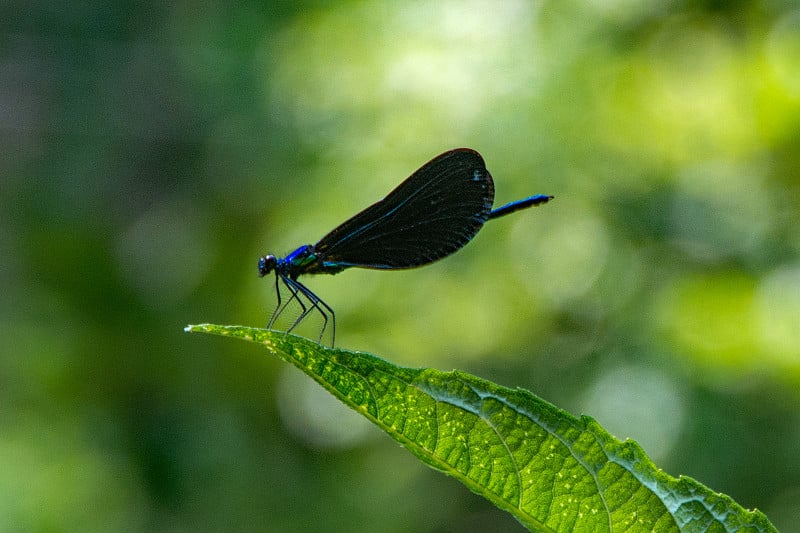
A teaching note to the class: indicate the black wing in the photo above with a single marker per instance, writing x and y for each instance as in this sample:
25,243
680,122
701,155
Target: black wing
433,213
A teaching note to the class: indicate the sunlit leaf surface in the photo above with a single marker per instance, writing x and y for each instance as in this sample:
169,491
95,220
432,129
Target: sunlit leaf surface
551,470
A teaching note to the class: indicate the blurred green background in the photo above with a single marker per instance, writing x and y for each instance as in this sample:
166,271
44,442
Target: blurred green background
153,151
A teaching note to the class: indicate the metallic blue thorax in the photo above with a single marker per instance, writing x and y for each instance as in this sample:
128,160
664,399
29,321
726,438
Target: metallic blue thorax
305,260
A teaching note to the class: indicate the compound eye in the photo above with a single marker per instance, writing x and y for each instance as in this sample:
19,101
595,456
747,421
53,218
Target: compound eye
266,265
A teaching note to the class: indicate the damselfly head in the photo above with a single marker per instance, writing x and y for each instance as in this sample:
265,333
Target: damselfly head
266,265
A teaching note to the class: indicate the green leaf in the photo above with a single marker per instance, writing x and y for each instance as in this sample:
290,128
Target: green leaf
551,470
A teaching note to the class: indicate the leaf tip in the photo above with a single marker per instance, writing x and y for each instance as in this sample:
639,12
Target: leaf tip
197,328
